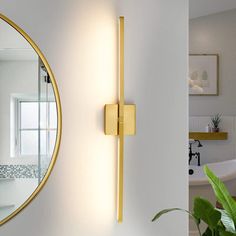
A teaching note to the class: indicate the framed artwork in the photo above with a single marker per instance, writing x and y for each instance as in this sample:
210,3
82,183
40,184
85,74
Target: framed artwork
204,74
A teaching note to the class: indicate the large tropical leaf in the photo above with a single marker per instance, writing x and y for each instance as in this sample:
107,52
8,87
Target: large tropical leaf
222,194
220,231
227,221
225,233
204,210
208,232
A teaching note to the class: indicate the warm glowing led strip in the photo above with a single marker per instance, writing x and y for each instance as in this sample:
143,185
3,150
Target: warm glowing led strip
121,123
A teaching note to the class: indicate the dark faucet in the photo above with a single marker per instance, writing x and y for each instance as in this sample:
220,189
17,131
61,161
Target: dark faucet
194,154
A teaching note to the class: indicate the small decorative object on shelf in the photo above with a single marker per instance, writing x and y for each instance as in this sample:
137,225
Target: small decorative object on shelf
208,128
215,121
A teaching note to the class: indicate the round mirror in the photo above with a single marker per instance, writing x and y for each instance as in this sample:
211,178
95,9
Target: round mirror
30,120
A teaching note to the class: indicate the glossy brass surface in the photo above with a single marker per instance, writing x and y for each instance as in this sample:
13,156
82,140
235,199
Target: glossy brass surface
112,119
120,119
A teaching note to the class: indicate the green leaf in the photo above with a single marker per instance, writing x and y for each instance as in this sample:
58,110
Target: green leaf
225,233
204,210
159,214
227,221
222,194
207,232
196,220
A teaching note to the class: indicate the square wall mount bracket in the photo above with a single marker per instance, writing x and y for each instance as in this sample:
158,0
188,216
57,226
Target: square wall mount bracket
111,119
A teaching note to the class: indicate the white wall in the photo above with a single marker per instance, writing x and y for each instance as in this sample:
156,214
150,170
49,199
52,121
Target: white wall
206,7
9,38
79,40
16,77
216,34
15,192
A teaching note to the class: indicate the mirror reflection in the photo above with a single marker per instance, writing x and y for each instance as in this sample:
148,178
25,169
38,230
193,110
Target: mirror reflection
212,106
28,120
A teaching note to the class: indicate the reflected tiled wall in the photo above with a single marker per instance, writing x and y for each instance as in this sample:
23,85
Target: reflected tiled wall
20,171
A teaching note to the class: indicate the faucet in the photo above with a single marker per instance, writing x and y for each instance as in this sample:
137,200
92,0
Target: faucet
194,154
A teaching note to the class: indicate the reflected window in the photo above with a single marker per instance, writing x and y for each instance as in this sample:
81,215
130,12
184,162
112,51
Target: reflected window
34,128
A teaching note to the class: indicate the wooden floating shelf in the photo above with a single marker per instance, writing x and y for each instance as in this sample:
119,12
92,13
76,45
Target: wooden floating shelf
208,136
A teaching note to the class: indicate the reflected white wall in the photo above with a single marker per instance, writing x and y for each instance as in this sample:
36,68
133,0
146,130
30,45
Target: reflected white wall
14,192
16,77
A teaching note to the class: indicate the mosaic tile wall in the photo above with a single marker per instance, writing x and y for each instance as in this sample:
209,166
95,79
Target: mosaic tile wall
20,171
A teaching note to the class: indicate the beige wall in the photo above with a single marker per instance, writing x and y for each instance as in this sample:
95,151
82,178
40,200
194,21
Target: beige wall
78,38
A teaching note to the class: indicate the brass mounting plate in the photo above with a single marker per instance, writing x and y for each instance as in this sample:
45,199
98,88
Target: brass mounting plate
112,118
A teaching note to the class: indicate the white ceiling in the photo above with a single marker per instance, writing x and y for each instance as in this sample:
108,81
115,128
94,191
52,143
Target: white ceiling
199,8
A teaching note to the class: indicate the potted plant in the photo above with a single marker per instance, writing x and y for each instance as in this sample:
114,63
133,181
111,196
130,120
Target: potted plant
215,121
220,222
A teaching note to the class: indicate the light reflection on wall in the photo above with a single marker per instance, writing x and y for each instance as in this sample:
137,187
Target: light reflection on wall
90,65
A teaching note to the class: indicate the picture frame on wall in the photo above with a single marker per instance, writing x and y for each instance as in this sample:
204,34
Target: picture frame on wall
203,74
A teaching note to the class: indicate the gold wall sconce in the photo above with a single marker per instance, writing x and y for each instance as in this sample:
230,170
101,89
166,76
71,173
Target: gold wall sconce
120,120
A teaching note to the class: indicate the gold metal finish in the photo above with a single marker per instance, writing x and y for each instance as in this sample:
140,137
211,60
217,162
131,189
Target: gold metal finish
129,119
208,136
120,119
59,118
111,119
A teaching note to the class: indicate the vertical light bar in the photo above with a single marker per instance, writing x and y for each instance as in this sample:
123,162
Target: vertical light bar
120,119
120,178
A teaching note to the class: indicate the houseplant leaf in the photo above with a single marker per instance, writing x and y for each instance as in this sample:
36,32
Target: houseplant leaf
227,221
222,194
225,233
207,232
160,213
204,210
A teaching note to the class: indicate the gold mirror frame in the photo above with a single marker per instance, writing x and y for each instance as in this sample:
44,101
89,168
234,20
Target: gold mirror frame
59,119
